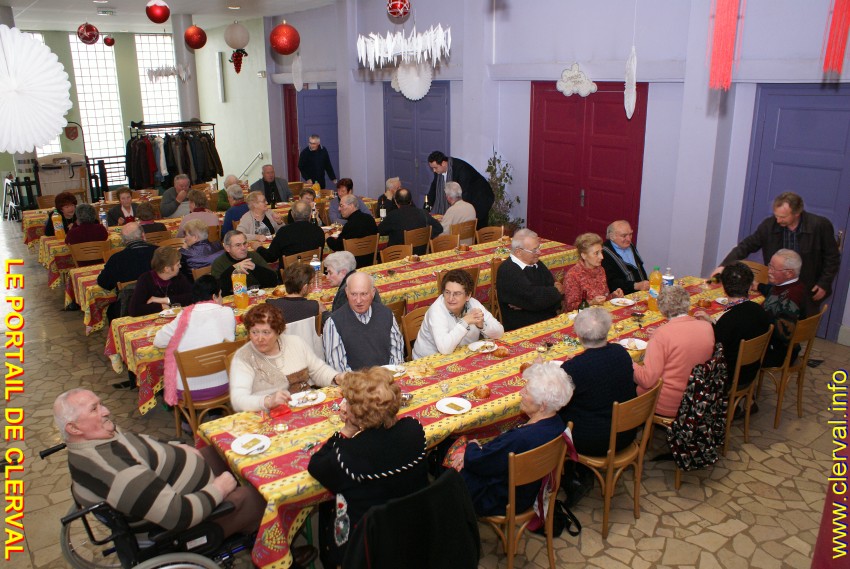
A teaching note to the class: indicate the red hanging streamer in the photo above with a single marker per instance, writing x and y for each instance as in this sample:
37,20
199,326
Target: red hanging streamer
723,43
836,42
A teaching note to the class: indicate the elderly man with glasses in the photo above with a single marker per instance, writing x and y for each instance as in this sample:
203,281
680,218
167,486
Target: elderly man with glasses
238,257
528,293
621,261
786,300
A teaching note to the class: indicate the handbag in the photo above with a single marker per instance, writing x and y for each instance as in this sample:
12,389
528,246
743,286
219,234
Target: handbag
563,519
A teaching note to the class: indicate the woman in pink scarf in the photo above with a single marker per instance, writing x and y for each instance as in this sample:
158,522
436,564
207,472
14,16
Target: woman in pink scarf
202,324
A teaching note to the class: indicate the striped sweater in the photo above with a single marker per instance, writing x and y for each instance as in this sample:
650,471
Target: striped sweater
144,479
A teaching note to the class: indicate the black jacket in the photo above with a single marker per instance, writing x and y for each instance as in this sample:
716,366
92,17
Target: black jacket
404,219
614,273
534,299
359,225
293,238
476,189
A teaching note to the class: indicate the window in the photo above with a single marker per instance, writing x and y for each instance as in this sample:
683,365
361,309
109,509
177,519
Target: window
160,102
54,146
97,95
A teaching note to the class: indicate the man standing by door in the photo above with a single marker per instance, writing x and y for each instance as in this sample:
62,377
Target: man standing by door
476,188
810,235
314,161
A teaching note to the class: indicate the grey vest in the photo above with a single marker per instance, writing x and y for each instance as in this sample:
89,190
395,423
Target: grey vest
365,344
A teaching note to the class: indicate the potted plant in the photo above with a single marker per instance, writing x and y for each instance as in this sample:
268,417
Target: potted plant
500,172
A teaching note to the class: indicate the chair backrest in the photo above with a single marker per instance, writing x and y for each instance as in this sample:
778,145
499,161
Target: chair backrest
236,223
634,413
759,271
363,246
472,271
533,465
396,252
46,202
805,332
445,242
88,251
201,271
214,233
749,352
125,294
203,361
305,257
465,230
157,237
410,324
326,194
174,243
487,234
398,307
295,188
418,237
322,208
495,309
108,252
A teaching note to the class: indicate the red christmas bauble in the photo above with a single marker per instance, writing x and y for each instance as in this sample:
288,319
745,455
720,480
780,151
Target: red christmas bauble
285,39
109,41
157,11
195,37
88,34
398,8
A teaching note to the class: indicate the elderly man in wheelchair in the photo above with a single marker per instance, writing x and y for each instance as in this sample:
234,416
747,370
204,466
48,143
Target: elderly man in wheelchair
182,498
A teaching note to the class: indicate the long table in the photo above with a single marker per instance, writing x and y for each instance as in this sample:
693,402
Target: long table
129,341
280,473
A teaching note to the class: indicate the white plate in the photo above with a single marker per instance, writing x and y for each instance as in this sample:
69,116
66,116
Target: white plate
640,345
398,371
307,398
721,300
482,347
251,444
559,362
453,405
168,313
269,237
259,292
622,301
572,315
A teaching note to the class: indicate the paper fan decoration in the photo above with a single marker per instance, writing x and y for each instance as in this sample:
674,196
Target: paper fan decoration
394,81
34,92
414,80
630,94
297,78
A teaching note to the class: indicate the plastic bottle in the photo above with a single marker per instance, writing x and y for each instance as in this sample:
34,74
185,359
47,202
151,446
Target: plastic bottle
655,280
426,206
103,221
58,228
240,290
317,267
668,279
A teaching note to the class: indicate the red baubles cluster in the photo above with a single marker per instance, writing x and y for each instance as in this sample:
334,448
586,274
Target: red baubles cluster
88,33
285,39
195,37
157,11
398,8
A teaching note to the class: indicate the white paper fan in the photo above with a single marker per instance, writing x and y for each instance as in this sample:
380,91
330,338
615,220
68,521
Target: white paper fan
414,80
297,78
394,80
34,92
630,93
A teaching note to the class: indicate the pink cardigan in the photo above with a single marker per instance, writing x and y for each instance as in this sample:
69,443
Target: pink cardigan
674,350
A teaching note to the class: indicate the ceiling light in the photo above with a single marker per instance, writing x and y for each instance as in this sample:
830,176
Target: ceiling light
100,1
234,7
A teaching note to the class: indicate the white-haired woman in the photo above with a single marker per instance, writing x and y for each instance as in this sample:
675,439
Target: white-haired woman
674,350
259,222
485,467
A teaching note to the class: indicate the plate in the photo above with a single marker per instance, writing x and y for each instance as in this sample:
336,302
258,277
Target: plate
639,345
622,301
721,300
307,398
559,362
453,405
250,444
269,237
398,371
258,292
572,315
169,313
482,347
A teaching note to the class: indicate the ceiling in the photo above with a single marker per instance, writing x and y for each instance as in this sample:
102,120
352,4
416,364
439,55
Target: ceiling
66,15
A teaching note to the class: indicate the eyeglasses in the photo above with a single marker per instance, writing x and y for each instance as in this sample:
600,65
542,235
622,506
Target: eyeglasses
454,294
258,332
535,251
238,244
776,269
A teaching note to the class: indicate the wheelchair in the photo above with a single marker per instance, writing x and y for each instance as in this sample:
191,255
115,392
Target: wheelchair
99,537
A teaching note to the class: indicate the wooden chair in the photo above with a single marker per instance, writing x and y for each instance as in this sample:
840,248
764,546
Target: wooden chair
410,324
445,242
196,363
322,209
108,252
235,224
175,243
624,417
214,233
201,271
122,286
750,352
804,332
325,194
88,251
531,466
363,246
488,234
305,257
398,308
396,253
418,237
759,271
157,237
472,271
664,423
495,309
46,202
295,188
465,230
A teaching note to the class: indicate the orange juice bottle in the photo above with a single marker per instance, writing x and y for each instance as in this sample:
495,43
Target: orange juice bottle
58,228
240,290
655,280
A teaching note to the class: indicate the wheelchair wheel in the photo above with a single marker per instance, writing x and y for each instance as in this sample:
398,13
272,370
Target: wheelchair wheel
179,561
78,549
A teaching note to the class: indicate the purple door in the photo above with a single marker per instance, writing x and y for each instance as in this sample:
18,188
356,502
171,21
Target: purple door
412,130
801,144
317,115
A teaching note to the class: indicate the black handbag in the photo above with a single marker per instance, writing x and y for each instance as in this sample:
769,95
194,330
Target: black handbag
563,519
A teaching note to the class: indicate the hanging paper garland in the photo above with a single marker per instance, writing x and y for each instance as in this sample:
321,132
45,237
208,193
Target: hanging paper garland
88,33
630,91
157,11
839,26
398,8
195,37
297,76
285,39
723,43
108,41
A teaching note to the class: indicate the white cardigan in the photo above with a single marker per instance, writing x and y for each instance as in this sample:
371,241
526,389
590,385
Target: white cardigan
442,332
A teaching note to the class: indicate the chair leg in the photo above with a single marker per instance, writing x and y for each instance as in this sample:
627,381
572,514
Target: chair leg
780,395
511,544
638,468
678,477
749,403
549,545
177,421
800,380
606,510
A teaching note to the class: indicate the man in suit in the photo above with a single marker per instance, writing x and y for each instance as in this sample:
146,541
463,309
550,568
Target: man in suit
406,218
275,189
623,266
528,293
296,237
476,188
314,161
359,225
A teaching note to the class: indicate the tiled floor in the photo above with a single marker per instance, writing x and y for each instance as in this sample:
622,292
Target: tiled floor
758,507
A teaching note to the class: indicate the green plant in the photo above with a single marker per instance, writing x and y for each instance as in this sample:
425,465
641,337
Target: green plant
500,172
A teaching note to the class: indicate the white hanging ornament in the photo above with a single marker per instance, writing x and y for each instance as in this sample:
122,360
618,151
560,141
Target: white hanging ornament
297,79
236,36
394,81
630,93
414,80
